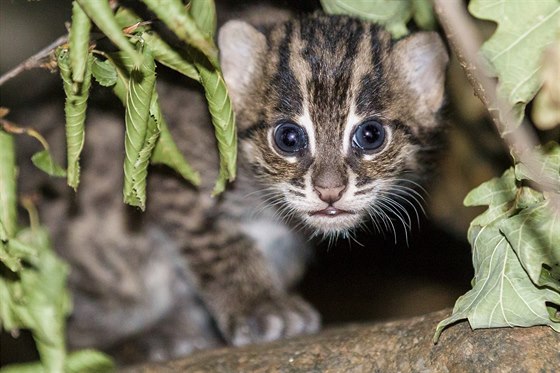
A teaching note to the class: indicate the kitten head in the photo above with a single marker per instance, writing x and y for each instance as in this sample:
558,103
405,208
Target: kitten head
333,115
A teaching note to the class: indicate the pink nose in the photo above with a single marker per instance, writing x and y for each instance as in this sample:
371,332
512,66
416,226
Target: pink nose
330,194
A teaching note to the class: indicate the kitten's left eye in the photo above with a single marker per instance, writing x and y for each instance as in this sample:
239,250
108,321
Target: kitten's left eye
369,136
290,138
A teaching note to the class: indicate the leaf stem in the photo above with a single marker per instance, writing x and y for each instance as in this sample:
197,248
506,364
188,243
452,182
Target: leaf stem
465,41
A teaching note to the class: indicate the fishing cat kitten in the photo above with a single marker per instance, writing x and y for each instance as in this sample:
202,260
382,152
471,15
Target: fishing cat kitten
333,117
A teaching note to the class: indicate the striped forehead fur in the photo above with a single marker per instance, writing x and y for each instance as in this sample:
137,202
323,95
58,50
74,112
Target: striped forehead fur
330,74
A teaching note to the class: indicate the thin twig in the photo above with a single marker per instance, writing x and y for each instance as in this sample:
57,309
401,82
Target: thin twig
465,42
34,61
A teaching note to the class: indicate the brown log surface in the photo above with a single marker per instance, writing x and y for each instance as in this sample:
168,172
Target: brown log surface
396,346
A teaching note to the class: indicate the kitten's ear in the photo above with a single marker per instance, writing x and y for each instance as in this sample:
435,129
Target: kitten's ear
423,58
241,50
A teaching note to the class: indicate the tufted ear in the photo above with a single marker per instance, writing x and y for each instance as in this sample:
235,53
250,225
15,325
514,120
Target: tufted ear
241,51
422,59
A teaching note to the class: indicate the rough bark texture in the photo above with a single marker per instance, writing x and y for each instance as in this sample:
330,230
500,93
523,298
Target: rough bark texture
398,346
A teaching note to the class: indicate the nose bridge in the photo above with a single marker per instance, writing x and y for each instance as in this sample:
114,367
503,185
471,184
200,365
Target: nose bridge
329,170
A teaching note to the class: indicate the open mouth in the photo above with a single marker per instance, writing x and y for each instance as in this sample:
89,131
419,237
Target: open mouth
330,212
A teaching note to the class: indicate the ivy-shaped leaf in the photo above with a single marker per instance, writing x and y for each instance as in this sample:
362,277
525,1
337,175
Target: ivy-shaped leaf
393,14
502,293
534,235
525,29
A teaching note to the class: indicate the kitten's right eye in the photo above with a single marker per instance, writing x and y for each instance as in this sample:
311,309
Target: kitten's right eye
290,138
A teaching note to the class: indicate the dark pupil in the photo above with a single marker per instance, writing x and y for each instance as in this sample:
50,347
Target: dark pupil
370,134
290,137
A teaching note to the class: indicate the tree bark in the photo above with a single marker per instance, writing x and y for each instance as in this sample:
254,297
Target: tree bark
397,346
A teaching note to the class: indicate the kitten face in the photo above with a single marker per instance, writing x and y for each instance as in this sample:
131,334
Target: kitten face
334,117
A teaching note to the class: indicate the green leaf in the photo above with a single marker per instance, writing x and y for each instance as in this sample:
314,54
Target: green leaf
534,235
78,38
204,14
176,17
83,361
393,14
168,56
502,295
549,159
139,137
104,72
166,151
223,119
75,108
423,14
513,52
39,300
126,17
498,194
11,261
44,161
102,15
8,197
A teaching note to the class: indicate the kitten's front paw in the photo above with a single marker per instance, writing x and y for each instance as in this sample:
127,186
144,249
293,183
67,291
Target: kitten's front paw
276,318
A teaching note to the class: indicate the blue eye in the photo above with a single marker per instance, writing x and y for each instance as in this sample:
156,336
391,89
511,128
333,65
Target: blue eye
369,136
290,138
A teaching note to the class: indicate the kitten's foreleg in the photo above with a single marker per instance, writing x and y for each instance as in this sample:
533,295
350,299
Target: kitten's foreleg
243,294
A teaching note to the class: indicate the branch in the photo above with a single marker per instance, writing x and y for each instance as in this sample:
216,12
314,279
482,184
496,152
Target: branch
465,42
37,60
397,346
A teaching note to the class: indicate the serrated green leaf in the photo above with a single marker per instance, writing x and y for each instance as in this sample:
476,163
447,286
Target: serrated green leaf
176,17
223,119
393,14
75,108
138,134
104,72
524,30
168,56
204,14
503,295
78,38
8,198
100,12
44,161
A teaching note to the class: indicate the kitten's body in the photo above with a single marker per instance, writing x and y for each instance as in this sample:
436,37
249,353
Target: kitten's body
192,260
